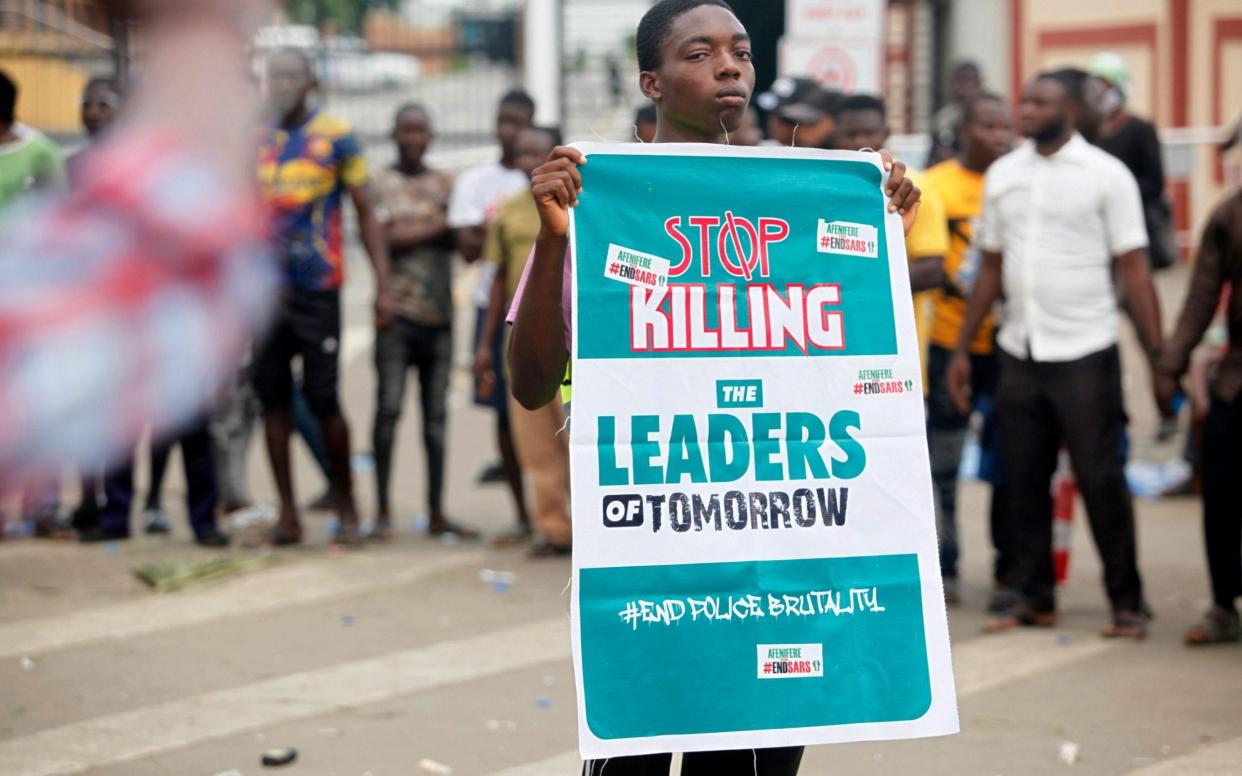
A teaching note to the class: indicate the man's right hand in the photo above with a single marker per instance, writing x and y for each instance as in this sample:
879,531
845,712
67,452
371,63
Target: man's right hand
555,186
1166,387
484,372
959,381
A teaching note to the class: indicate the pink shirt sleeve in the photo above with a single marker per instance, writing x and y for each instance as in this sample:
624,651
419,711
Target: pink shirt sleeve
566,295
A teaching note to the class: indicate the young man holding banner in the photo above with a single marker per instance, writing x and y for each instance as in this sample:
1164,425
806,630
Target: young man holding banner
640,692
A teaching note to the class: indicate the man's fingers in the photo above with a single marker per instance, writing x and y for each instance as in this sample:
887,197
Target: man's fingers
886,158
566,152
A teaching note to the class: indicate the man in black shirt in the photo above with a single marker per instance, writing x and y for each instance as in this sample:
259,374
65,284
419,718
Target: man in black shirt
1134,141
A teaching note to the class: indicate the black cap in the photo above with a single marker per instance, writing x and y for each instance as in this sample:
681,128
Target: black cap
798,99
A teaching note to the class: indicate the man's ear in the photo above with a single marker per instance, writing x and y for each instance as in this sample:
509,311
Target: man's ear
649,83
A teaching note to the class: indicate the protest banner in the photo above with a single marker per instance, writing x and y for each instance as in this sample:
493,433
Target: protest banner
754,541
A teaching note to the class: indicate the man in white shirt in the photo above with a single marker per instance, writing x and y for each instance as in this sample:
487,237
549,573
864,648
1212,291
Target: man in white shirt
477,195
1061,219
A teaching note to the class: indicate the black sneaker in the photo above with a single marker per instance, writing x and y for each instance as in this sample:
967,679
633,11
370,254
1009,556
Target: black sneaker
98,533
212,538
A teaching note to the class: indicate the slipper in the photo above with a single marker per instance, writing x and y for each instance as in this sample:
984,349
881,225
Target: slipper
348,536
1218,626
381,532
546,549
514,538
447,528
279,537
1126,625
1020,617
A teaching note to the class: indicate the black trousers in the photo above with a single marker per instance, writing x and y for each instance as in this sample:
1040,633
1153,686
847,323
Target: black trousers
429,349
1222,499
200,475
1039,405
742,762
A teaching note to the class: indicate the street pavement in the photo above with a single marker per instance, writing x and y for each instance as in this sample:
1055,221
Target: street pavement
398,658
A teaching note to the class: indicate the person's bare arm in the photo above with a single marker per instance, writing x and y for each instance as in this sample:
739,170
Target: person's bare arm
927,273
987,292
484,367
404,234
469,240
377,251
537,353
1133,274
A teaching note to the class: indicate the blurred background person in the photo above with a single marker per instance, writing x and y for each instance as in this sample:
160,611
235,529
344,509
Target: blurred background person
308,162
1136,143
413,206
862,123
986,135
28,159
1060,272
800,113
645,123
539,435
1219,264
965,83
477,196
173,188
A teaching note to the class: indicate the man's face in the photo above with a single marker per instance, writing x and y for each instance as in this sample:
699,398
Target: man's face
1044,111
412,134
511,119
859,129
289,81
534,146
99,106
705,77
965,84
990,130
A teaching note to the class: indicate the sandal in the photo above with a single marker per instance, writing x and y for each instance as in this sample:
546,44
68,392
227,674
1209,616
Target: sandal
447,528
546,549
1127,625
381,531
514,538
1218,626
348,536
279,537
1021,616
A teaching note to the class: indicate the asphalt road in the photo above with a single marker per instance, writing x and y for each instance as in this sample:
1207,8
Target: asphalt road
376,661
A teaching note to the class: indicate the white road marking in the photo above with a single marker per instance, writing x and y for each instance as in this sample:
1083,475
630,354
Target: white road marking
987,662
979,665
149,730
258,592
1224,759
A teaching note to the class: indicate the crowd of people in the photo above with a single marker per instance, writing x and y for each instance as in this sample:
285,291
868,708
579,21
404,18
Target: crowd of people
1060,232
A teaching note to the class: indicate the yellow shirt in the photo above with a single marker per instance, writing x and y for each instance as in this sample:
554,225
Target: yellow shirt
928,237
510,237
961,191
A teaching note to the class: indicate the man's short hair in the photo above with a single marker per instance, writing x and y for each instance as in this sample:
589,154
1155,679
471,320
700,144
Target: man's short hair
966,66
1072,79
412,107
856,103
519,98
654,28
307,58
968,110
104,82
552,132
8,98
